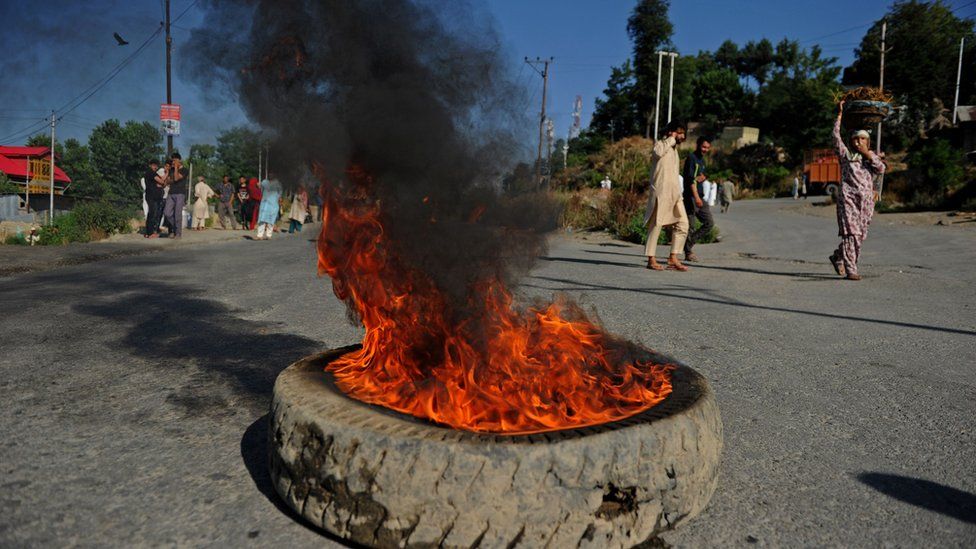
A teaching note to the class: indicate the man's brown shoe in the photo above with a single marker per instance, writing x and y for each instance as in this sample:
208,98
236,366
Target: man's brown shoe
691,257
853,276
675,265
654,265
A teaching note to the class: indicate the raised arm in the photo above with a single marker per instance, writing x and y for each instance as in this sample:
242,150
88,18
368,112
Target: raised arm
839,145
662,146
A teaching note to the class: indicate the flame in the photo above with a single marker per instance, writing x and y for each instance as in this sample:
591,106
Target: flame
537,369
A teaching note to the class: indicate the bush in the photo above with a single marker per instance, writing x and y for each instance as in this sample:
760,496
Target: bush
15,240
65,229
938,168
87,222
102,217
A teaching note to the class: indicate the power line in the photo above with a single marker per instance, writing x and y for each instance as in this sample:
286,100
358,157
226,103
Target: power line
182,13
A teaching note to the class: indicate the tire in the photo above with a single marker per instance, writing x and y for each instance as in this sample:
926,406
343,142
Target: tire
832,189
383,479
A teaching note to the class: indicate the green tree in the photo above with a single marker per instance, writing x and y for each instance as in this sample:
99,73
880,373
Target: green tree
718,96
120,154
756,61
921,66
85,180
650,30
618,106
237,151
938,165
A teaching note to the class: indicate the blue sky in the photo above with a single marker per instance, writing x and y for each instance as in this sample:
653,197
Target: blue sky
55,50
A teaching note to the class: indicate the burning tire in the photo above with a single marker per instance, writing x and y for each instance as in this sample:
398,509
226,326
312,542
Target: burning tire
384,479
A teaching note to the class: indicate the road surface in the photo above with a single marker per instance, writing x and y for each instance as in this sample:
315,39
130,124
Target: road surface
135,388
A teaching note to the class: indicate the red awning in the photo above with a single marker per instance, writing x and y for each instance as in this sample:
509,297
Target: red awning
13,162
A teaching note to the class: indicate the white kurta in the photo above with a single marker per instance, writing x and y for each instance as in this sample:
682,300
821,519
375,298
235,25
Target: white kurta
664,204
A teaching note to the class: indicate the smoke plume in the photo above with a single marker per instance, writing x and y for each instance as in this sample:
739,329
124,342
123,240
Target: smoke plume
417,97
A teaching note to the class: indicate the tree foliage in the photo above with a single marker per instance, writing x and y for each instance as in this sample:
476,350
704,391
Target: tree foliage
120,154
237,151
921,64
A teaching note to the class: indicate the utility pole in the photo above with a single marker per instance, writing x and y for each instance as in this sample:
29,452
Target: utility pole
955,104
260,152
877,144
672,55
169,84
542,116
657,95
50,213
27,187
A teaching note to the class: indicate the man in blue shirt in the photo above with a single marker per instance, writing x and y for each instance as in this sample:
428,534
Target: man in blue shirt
694,174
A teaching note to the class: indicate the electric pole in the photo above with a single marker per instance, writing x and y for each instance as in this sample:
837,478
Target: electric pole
169,84
955,104
672,55
657,95
50,212
542,116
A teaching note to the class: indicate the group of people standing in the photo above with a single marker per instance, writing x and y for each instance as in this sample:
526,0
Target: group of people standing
165,193
676,197
250,205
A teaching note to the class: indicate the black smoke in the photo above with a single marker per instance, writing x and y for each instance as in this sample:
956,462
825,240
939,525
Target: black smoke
417,94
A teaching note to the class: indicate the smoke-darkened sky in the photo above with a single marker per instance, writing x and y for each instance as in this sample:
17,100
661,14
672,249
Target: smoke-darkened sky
53,51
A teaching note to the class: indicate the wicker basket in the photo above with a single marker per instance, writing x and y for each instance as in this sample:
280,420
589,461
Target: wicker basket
864,115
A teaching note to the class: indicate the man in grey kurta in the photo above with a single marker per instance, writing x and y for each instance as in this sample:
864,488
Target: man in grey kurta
665,206
855,201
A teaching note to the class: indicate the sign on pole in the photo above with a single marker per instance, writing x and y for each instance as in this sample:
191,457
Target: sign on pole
169,119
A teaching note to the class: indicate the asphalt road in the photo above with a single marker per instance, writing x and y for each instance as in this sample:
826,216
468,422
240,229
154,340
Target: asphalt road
134,389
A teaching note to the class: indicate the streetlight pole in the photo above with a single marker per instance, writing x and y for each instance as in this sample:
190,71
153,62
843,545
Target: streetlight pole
955,104
51,205
657,95
672,55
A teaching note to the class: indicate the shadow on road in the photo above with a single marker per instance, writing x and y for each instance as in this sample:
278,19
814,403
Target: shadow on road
925,494
220,359
713,297
254,452
589,261
811,276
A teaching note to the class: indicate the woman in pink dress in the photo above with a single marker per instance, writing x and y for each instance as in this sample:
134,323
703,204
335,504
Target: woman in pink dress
856,197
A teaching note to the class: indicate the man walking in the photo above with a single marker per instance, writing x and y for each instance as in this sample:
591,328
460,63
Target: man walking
728,192
225,206
694,174
855,200
176,201
665,207
154,199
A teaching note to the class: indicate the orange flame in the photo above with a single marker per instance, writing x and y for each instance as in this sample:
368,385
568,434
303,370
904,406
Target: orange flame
532,370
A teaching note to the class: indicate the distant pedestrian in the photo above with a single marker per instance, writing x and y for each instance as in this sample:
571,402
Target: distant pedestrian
178,183
803,186
242,200
856,197
665,206
201,209
269,209
728,193
711,192
225,205
254,194
796,187
299,210
154,183
695,173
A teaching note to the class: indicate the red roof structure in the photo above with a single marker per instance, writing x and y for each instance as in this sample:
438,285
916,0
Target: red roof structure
13,162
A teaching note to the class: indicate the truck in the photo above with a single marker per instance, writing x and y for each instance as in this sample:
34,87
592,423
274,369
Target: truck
821,169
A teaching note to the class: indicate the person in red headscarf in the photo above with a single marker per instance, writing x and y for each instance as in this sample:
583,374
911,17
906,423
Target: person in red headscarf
254,198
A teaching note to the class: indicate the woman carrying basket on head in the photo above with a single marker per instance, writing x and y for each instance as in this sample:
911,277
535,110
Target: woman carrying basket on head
855,200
